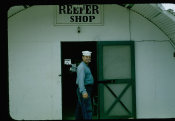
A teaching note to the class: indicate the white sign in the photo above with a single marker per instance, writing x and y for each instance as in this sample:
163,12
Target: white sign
67,61
86,14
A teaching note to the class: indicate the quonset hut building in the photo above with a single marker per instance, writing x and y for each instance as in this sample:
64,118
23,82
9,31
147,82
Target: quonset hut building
133,60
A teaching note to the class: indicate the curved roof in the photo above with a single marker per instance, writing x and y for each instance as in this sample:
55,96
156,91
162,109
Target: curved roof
155,13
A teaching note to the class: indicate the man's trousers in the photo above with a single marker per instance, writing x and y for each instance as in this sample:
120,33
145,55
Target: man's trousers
84,106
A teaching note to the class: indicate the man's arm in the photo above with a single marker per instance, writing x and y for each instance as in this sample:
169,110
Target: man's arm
81,78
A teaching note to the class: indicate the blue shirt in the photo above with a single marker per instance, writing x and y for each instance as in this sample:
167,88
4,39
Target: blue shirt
84,77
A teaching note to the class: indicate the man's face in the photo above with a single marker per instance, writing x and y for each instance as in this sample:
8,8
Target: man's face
86,59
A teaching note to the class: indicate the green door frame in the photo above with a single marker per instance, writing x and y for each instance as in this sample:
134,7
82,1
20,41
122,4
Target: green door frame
102,82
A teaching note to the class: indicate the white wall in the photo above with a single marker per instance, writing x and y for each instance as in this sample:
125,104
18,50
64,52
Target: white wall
155,79
34,65
34,61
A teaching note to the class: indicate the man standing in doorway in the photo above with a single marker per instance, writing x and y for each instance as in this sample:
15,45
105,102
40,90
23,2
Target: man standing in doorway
85,83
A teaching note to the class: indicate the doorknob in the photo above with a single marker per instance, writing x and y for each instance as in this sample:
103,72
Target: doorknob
60,75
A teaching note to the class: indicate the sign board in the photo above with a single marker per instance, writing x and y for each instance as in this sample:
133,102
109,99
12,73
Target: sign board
67,61
86,14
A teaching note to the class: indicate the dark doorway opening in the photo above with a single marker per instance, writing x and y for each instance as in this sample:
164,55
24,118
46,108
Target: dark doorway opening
73,51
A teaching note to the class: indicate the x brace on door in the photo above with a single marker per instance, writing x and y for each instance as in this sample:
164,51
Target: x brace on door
118,98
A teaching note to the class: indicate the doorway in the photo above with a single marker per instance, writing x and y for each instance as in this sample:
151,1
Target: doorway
71,56
113,69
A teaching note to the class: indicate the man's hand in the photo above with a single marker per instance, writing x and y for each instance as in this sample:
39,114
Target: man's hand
85,95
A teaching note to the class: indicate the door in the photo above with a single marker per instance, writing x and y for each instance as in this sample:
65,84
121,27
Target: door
116,80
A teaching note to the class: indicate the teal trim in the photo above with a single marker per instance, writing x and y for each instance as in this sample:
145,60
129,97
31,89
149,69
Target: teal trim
100,63
101,100
117,117
102,82
106,43
133,78
116,81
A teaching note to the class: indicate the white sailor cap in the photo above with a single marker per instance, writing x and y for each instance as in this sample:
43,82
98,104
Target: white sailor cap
86,53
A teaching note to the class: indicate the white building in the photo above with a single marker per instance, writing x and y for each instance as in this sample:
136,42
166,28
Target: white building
130,43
